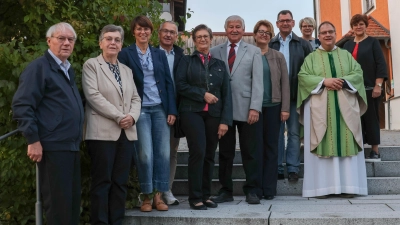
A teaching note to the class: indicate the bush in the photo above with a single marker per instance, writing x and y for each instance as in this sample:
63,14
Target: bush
23,26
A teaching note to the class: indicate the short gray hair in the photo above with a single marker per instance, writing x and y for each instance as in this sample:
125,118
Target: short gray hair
169,21
308,20
234,18
60,27
111,28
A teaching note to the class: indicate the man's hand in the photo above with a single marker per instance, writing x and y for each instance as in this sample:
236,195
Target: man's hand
284,116
376,92
333,83
35,151
210,98
222,129
171,119
127,122
253,116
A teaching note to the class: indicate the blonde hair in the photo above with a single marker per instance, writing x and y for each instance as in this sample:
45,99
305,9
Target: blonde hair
307,20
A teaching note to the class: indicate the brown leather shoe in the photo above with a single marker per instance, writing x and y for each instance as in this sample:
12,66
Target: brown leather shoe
158,203
146,205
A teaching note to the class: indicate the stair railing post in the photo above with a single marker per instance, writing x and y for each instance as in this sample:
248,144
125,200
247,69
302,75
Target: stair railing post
38,205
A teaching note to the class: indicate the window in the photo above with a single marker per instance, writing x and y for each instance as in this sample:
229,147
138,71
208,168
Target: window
368,5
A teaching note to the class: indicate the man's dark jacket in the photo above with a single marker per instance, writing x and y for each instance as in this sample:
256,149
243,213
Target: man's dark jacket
48,107
298,50
193,81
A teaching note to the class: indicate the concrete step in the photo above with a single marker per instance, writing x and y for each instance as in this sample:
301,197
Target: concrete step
388,153
288,210
376,186
374,169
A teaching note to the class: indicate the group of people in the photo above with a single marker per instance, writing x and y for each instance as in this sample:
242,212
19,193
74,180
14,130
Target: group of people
135,95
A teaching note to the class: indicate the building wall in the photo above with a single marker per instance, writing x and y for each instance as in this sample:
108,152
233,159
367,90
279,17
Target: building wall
392,106
380,13
331,10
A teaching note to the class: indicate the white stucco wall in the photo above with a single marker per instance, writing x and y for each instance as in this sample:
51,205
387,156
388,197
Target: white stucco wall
394,111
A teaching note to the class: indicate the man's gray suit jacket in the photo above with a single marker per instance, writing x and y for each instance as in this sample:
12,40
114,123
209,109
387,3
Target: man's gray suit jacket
246,78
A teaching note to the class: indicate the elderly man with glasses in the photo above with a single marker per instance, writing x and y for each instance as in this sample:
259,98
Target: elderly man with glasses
167,34
49,111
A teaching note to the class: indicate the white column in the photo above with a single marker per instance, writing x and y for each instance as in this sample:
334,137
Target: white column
394,18
345,13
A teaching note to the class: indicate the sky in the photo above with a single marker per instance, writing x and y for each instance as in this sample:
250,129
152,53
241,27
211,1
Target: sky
213,13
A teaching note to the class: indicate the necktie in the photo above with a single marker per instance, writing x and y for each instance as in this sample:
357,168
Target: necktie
231,56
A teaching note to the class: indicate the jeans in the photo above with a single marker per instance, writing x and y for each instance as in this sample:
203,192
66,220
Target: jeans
293,142
152,150
201,132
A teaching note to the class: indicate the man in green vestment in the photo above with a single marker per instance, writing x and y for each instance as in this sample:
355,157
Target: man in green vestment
331,99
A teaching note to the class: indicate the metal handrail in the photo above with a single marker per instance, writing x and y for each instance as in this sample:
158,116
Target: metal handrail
38,205
8,134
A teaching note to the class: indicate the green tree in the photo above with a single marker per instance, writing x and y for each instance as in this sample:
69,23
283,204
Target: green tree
23,25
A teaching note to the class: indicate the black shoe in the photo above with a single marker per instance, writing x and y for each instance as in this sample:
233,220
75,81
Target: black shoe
197,207
293,177
252,199
281,176
222,197
269,197
210,204
373,157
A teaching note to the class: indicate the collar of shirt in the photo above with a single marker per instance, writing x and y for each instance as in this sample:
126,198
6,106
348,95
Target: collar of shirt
236,47
288,38
63,65
168,53
334,48
145,59
202,57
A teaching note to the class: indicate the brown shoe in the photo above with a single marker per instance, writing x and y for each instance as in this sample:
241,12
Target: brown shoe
158,203
146,205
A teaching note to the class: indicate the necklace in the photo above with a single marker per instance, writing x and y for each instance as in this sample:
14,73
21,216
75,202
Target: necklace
363,37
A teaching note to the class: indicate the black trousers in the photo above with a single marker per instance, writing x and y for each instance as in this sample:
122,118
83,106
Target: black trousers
250,138
271,121
60,183
201,132
370,120
110,165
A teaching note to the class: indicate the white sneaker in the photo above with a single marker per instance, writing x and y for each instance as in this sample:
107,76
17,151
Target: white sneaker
169,198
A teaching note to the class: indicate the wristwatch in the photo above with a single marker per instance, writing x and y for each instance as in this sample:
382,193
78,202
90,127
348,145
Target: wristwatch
379,84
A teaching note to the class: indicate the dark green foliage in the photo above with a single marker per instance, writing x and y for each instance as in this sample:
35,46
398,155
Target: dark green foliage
23,26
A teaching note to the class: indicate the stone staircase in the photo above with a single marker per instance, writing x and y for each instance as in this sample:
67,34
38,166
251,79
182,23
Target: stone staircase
383,177
381,206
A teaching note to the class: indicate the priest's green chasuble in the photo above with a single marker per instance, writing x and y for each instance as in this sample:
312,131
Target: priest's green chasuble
335,115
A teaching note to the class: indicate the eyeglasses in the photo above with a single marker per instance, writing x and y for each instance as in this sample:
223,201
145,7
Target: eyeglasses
165,31
327,32
204,36
285,21
62,39
307,26
110,39
262,32
144,29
